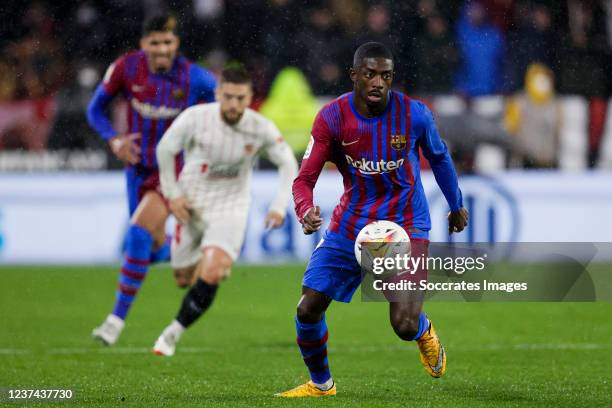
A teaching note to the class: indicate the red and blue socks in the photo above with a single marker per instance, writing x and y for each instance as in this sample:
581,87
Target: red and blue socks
423,326
139,245
162,254
312,340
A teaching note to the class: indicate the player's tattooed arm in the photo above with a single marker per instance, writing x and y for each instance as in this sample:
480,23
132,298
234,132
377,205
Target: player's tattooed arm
457,220
125,148
312,221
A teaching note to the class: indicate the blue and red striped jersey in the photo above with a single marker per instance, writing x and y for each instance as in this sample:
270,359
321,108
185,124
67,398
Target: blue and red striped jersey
154,99
379,161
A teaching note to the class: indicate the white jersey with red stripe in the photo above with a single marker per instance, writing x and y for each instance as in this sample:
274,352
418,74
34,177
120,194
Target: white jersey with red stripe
219,159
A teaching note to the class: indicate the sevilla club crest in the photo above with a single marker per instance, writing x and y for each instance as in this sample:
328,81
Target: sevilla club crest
398,142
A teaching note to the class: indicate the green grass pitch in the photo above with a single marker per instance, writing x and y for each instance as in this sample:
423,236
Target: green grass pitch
243,350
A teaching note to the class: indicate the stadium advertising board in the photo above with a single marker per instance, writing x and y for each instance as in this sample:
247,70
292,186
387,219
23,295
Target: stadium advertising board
81,218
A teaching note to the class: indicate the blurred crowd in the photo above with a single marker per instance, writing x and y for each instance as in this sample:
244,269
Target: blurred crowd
52,54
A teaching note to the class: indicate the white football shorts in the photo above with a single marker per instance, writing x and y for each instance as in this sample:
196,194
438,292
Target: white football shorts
222,231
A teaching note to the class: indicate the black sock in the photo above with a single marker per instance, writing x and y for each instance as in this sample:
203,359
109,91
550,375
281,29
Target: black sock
196,301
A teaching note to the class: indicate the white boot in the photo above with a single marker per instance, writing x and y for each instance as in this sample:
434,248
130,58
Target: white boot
109,331
166,342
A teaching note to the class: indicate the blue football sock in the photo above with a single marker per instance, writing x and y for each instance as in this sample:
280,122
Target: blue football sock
423,325
139,243
162,254
312,340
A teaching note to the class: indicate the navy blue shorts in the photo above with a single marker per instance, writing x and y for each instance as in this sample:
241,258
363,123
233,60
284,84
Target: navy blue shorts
139,181
333,269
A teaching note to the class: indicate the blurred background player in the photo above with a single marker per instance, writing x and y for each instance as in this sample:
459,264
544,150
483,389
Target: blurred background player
211,199
373,135
158,84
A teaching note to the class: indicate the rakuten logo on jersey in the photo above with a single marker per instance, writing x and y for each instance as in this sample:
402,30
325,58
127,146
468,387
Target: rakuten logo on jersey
374,167
154,112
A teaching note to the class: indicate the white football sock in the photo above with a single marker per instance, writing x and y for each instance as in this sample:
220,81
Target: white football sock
176,329
326,385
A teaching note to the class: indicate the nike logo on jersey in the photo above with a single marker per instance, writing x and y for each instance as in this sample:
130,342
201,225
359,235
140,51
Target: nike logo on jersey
374,167
137,88
349,143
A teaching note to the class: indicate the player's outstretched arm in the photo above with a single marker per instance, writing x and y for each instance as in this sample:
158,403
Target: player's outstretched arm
111,85
171,144
96,113
312,221
123,146
457,220
282,156
315,156
436,152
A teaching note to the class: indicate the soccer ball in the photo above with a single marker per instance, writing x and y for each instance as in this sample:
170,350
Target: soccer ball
384,239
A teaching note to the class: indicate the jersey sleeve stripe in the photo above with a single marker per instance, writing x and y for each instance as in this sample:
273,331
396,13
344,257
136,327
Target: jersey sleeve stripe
350,215
387,153
408,213
350,218
376,190
331,115
395,180
161,123
150,126
132,66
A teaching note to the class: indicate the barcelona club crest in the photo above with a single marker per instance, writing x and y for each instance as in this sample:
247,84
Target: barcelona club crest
398,142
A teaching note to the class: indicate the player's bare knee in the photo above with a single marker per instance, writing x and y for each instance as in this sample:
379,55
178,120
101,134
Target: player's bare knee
306,315
215,265
308,312
159,237
184,276
406,328
144,224
312,306
151,214
182,282
214,272
152,226
213,275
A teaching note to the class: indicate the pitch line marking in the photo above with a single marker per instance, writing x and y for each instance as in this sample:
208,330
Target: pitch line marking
276,349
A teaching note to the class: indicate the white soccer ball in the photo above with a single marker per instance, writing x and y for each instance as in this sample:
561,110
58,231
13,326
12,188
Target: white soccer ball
387,240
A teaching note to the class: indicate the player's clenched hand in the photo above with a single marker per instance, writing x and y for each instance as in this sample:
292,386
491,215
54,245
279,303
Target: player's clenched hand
457,220
125,148
274,220
180,208
312,221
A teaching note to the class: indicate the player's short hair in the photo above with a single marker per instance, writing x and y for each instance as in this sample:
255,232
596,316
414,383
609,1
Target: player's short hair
160,22
235,74
371,50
